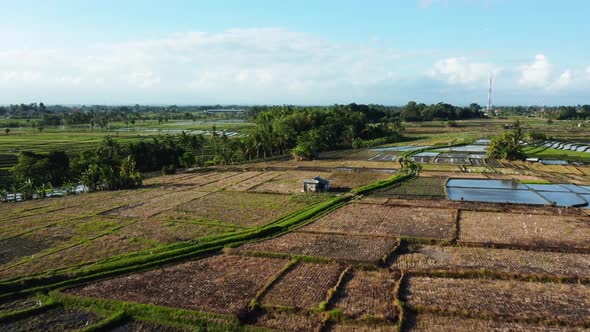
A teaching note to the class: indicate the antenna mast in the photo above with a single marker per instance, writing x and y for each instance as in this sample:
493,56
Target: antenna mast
489,107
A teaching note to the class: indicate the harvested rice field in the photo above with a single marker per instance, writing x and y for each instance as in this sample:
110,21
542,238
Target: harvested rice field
420,187
525,230
158,204
304,286
434,323
501,300
426,258
367,294
242,209
290,182
54,319
353,248
18,304
360,327
220,284
373,219
284,320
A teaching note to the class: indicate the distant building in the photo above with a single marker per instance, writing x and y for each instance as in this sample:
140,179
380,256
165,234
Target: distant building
316,185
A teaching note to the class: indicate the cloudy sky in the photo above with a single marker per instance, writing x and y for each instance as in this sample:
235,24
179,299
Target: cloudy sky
295,52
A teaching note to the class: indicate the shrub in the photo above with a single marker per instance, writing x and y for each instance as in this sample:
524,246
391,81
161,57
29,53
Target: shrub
169,169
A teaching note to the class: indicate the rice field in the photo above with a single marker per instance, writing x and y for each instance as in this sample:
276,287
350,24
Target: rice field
352,248
501,300
220,284
383,220
427,258
525,230
304,286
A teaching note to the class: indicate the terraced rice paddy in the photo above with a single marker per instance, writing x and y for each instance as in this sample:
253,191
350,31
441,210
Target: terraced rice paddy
304,286
501,299
421,187
221,284
373,219
369,294
427,258
525,230
329,246
434,323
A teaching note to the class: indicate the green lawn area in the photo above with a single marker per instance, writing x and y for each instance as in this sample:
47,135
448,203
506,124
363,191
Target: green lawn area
548,153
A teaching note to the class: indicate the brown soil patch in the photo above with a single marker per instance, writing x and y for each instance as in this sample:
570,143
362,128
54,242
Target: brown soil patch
434,323
340,247
387,220
422,258
287,321
304,286
369,294
564,303
525,230
362,328
222,284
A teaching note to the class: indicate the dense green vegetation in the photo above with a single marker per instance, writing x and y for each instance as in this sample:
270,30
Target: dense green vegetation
508,145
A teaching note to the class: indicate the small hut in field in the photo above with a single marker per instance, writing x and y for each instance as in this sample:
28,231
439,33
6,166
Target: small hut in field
316,185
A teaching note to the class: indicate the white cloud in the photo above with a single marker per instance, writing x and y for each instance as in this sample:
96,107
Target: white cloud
462,71
20,76
588,72
565,80
68,80
536,74
144,79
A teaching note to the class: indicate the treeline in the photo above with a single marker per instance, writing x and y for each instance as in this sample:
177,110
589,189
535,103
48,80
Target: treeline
567,112
441,111
100,116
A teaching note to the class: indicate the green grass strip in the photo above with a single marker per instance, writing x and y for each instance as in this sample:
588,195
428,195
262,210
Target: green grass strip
108,323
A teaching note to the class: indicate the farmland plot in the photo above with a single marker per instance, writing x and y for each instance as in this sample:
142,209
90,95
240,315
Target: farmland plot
54,237
228,181
253,181
453,259
434,323
106,246
368,294
236,208
105,203
304,286
28,223
342,181
525,230
288,182
287,321
331,246
564,303
200,179
384,220
142,326
420,187
17,304
165,232
166,201
362,328
55,319
221,284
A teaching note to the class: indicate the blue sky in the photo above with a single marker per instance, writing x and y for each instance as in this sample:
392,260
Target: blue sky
296,52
